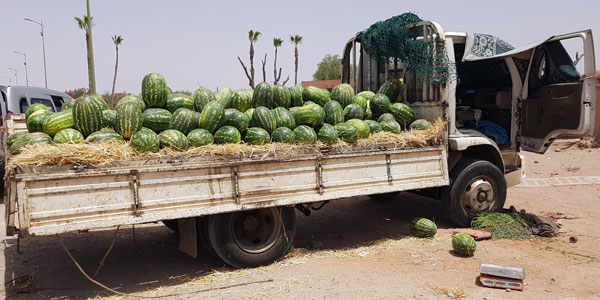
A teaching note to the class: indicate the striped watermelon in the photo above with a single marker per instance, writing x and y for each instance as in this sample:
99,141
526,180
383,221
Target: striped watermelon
128,119
87,115
283,135
380,104
227,135
35,107
403,114
422,227
177,101
201,97
464,244
281,96
420,124
386,116
134,99
343,94
68,135
368,95
154,90
305,135
263,95
248,114
223,96
262,117
284,118
347,132
256,136
145,140
361,101
391,126
233,117
29,139
35,122
374,126
104,136
200,137
157,119
58,121
100,101
327,134
392,89
173,139
363,128
296,95
241,100
310,114
316,95
184,120
334,113
353,111
109,118
211,116
68,105
13,137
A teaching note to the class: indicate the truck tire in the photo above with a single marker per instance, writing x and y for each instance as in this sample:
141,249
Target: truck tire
385,196
252,238
476,186
172,224
202,237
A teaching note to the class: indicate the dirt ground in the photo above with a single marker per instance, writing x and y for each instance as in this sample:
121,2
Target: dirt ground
355,248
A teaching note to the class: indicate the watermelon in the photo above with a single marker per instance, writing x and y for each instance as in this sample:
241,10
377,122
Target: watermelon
310,114
386,116
281,96
145,140
100,101
284,118
293,110
353,111
248,114
87,115
392,89
263,95
227,135
296,95
420,124
305,135
13,137
104,136
241,100
211,116
334,113
174,139
177,101
363,128
199,137
361,101
154,90
347,132
391,126
109,117
283,135
29,139
422,227
57,122
169,91
256,136
316,95
310,103
201,97
68,105
184,120
35,122
380,104
464,244
233,117
134,99
403,114
327,134
223,96
368,95
263,118
342,93
374,126
128,119
35,107
157,119
368,112
68,135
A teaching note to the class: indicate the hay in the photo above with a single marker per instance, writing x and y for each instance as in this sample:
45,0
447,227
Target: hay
503,225
104,154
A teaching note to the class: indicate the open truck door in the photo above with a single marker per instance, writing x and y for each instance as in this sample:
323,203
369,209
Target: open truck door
557,99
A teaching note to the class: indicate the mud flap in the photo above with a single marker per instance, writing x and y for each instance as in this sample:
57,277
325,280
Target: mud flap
187,237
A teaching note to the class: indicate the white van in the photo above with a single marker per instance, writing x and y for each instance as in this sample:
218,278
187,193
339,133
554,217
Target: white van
16,99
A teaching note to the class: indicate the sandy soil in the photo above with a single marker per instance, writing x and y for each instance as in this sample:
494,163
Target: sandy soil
356,248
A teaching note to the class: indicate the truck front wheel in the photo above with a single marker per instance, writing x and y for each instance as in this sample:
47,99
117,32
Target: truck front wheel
252,238
476,186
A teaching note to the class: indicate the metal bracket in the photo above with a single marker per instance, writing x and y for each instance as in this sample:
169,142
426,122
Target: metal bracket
388,163
236,185
320,177
136,199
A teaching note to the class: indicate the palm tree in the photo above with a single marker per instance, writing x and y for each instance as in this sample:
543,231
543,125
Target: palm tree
84,24
277,43
296,39
252,37
117,40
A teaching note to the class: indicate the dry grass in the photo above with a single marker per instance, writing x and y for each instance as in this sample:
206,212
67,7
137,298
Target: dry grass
103,154
453,293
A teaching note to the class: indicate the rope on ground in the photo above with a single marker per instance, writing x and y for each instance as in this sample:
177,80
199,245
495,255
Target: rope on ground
108,251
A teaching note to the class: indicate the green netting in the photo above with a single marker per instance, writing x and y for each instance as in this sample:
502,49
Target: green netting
391,38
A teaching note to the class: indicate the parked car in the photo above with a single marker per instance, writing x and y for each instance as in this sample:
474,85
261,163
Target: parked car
16,99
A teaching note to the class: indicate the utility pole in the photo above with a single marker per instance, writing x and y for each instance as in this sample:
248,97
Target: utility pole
25,57
90,45
16,78
43,48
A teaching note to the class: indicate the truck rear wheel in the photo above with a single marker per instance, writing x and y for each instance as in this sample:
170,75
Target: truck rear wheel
252,238
476,186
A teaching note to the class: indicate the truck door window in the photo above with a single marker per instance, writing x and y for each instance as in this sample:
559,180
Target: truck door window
23,105
46,102
58,102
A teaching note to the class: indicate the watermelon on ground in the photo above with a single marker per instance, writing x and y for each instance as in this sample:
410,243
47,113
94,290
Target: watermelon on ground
353,111
13,137
464,244
184,120
227,135
283,135
223,96
35,122
284,118
35,107
241,100
263,118
420,124
386,116
29,139
200,137
154,90
391,126
145,140
368,95
109,117
104,136
422,227
380,104
342,93
233,117
100,101
177,101
392,89
361,101
374,126
134,99
403,114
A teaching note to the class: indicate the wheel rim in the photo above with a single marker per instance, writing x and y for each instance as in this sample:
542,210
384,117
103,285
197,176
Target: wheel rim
256,231
479,195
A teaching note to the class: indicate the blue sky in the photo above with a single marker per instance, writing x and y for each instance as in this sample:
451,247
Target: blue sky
197,42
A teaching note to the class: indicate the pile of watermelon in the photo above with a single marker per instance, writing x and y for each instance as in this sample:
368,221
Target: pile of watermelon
269,113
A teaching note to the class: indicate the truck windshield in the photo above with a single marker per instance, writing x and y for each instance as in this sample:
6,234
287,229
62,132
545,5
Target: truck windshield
46,102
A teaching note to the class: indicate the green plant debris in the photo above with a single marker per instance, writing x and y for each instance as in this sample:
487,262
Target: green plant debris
573,169
503,225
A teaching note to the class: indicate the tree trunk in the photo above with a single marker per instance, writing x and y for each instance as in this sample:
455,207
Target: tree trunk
264,62
89,63
91,51
296,68
115,77
252,64
275,80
